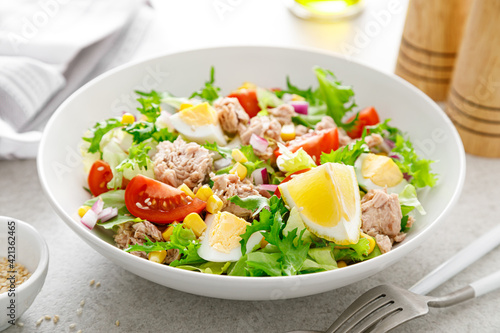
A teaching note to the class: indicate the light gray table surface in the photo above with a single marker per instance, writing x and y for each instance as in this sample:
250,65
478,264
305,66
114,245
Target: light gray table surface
142,306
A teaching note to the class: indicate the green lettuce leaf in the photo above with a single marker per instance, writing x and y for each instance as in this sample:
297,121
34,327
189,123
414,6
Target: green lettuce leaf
266,262
255,203
98,132
291,162
346,155
150,104
267,99
216,268
209,92
408,200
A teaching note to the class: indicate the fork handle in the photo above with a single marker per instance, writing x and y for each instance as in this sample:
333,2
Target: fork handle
458,262
486,284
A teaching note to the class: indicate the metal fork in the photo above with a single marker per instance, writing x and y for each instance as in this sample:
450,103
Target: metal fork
385,307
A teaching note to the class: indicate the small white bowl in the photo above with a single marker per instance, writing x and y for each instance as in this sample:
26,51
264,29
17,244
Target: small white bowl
31,251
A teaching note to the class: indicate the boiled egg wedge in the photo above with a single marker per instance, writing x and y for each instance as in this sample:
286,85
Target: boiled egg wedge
199,123
221,240
377,172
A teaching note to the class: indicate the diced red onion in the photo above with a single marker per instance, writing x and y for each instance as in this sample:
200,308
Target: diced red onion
97,206
107,214
258,143
222,163
260,176
269,187
89,219
389,143
394,156
406,176
300,107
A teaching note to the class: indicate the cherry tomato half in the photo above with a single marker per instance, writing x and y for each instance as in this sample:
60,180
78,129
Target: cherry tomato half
367,117
248,100
99,176
315,143
158,202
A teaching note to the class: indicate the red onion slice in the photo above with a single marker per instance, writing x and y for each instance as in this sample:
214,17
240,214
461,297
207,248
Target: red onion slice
260,176
107,214
269,187
89,219
258,143
300,107
97,206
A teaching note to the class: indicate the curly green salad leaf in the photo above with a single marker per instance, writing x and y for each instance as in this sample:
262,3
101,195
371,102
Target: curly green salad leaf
209,92
150,104
98,131
409,200
346,155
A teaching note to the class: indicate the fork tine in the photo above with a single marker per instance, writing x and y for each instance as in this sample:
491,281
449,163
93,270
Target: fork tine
367,322
373,307
362,301
394,321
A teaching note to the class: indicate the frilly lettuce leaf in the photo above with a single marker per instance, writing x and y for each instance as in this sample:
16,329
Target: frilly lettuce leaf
289,162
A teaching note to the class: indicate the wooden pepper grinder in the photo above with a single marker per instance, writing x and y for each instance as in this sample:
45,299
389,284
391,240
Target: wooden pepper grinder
474,98
431,38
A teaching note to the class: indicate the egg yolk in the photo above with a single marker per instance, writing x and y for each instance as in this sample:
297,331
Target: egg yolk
199,115
381,170
225,231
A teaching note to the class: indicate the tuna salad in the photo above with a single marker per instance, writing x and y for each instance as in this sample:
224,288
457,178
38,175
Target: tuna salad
254,182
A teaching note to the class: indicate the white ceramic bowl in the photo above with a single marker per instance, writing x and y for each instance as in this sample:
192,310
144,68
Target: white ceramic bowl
31,251
62,176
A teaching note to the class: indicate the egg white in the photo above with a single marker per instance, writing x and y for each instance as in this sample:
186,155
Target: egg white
367,184
199,134
210,254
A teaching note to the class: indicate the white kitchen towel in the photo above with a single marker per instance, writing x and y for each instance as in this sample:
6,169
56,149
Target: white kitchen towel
48,49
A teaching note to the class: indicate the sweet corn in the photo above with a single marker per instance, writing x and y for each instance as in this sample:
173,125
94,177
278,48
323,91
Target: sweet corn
127,119
204,193
263,243
248,85
194,222
288,132
185,106
214,204
297,98
371,240
184,188
157,256
240,170
168,232
83,210
341,264
238,156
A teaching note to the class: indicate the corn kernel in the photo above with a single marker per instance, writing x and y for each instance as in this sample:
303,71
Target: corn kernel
127,119
83,210
240,170
288,132
341,264
194,222
248,85
297,98
204,193
185,106
238,156
184,188
263,243
214,204
168,232
371,240
157,256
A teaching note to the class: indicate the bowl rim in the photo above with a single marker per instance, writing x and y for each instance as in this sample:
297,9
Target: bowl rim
44,256
90,238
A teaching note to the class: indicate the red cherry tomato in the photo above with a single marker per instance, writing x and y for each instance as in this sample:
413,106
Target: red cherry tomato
315,143
248,100
287,178
158,202
367,117
99,176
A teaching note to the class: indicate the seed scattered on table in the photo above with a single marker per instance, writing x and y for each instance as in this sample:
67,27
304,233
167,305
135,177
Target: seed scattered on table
82,303
72,326
55,319
20,324
79,311
79,331
117,323
21,275
91,282
47,317
98,284
39,321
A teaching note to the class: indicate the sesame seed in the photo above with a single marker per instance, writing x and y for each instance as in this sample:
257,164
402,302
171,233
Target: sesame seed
39,321
72,326
79,311
101,168
47,317
20,324
91,282
82,303
98,284
117,323
79,331
55,319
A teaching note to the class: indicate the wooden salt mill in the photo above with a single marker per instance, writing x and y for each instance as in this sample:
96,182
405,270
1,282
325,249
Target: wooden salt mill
431,38
474,98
